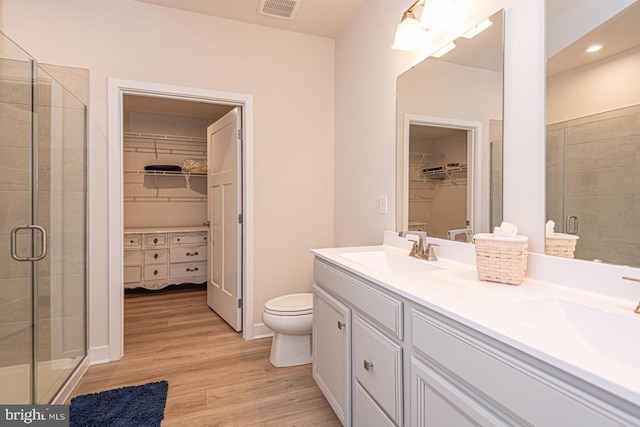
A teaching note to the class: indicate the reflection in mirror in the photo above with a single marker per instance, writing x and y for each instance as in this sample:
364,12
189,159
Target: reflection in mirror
593,133
449,139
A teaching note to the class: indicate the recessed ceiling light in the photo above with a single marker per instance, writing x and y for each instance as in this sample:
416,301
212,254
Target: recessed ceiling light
593,48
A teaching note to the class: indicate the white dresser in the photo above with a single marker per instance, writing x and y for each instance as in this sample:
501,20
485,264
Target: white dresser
158,257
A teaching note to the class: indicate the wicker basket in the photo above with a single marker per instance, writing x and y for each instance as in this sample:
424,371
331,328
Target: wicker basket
501,259
560,244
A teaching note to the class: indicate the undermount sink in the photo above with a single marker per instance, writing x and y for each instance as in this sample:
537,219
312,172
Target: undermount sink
561,323
390,263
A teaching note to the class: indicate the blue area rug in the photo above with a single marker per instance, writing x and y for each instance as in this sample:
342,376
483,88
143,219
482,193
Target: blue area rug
135,406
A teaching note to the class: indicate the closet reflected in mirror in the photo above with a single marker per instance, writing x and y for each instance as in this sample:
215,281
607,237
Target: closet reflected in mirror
593,131
449,139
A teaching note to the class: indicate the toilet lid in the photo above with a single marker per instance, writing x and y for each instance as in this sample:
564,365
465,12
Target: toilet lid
294,304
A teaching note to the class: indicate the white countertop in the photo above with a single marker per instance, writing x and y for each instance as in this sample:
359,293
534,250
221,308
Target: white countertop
531,317
156,230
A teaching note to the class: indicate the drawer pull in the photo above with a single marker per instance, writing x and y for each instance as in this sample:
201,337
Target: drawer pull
192,269
192,253
368,366
155,272
340,325
155,240
155,256
131,241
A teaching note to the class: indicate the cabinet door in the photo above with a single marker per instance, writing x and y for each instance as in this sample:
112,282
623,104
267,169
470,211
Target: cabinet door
436,401
331,352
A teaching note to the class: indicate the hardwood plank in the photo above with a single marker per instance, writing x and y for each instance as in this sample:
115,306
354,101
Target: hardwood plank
215,377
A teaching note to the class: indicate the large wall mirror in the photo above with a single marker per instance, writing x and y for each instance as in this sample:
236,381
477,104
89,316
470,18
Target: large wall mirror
593,130
449,138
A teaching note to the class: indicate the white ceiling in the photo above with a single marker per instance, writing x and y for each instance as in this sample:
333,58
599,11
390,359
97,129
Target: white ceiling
325,18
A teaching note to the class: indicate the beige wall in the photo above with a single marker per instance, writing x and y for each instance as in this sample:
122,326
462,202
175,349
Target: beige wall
289,75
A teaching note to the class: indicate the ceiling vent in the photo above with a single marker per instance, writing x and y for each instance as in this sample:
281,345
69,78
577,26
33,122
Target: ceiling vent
285,9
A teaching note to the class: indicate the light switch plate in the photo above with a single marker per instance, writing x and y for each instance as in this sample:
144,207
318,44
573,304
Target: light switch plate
382,205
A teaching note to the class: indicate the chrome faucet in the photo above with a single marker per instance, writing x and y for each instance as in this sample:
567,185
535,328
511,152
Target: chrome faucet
421,249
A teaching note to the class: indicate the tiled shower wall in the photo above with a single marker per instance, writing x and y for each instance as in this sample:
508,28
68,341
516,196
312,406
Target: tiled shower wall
593,172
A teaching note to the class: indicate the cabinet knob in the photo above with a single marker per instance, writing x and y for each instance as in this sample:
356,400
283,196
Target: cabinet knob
155,272
155,256
155,240
368,366
340,325
131,241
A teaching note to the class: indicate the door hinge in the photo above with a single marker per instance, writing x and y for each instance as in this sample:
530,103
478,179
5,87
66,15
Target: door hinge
239,218
240,134
240,303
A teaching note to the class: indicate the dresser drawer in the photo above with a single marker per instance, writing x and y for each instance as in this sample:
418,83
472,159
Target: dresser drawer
383,308
155,256
132,258
155,272
188,269
187,254
132,274
155,240
377,366
132,241
188,239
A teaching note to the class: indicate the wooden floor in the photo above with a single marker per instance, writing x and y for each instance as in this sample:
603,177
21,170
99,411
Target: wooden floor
215,377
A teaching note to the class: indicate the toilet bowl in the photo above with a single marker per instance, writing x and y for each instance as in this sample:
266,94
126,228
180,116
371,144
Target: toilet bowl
290,317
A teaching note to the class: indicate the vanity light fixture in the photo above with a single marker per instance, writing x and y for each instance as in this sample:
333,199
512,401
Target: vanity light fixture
444,50
478,29
409,34
593,48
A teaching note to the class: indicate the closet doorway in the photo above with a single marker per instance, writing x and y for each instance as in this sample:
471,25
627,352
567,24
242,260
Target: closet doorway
165,197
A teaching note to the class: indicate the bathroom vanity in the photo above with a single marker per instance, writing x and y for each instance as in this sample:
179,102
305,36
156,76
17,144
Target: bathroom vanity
400,341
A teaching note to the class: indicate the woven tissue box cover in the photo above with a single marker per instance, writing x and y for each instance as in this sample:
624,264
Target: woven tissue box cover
501,259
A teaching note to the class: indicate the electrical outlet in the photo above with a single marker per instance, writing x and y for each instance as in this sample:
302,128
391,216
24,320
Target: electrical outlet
382,205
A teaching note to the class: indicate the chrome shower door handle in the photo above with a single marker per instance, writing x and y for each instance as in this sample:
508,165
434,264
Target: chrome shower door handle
14,242
571,225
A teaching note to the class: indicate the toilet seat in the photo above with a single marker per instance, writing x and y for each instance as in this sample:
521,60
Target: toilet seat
290,305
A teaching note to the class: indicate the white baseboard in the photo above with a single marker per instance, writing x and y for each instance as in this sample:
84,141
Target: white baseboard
261,331
98,355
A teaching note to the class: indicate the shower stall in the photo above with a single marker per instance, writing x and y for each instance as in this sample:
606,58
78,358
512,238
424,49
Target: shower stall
43,274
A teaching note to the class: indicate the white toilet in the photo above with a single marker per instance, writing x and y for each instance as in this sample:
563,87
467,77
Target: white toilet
291,318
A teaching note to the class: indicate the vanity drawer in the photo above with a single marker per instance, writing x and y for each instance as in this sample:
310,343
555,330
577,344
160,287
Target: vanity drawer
155,256
188,269
132,258
186,254
155,240
366,412
530,395
132,274
377,366
155,272
188,239
384,309
132,241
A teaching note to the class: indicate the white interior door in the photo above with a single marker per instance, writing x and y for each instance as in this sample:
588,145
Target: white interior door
224,195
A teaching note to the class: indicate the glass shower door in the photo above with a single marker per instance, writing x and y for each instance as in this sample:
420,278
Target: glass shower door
60,207
43,327
16,295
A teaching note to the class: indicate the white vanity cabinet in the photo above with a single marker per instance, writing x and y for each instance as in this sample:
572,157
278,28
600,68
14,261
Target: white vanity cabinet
467,379
332,351
416,364
159,257
374,373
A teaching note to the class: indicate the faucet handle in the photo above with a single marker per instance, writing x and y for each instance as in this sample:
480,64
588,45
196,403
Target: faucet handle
430,252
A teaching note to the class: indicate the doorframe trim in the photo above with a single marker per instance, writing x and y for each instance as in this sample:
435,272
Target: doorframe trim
476,194
117,88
